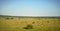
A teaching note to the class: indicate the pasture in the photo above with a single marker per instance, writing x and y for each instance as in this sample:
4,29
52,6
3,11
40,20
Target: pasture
29,23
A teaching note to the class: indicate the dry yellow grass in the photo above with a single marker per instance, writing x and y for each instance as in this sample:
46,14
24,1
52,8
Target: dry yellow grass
38,23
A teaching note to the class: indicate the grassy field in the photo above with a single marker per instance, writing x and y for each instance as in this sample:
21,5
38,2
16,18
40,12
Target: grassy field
29,23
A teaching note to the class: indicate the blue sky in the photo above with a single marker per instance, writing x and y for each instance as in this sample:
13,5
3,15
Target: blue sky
30,7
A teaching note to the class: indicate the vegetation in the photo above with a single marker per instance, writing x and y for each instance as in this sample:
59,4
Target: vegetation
28,27
29,24
7,18
33,22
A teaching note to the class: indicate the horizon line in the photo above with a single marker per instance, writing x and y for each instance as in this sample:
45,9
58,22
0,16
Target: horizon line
27,16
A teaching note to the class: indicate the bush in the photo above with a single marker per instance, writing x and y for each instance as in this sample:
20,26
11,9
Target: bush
28,27
11,18
7,18
33,22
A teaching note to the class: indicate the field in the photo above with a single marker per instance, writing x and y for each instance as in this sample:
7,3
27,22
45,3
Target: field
29,23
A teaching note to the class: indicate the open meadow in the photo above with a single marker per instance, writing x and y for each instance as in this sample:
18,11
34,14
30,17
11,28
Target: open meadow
29,23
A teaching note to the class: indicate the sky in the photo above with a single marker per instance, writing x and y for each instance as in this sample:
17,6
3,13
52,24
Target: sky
30,7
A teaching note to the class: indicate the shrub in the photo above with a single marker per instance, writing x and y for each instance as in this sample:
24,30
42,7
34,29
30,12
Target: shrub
33,22
11,18
28,27
7,18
